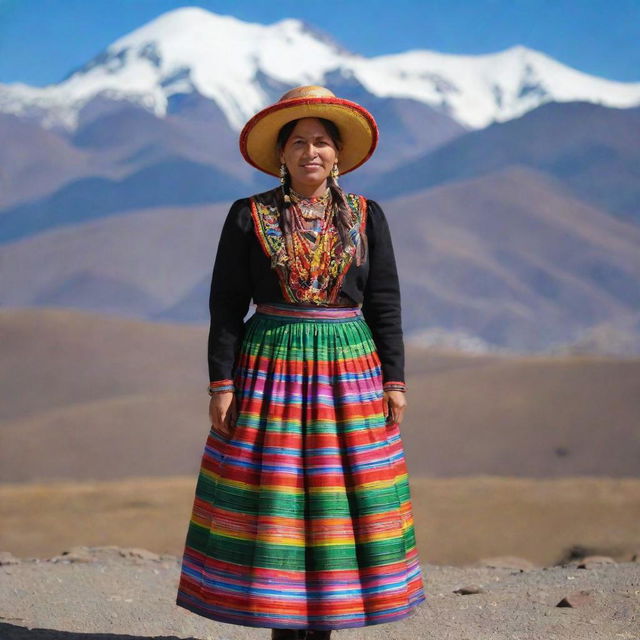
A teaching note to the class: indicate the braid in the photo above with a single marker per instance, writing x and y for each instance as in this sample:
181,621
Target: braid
343,215
285,218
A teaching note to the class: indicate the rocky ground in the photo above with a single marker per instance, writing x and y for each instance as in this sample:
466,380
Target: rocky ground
115,593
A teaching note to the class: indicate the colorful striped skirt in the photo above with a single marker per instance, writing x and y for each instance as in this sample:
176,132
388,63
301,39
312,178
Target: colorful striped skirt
302,517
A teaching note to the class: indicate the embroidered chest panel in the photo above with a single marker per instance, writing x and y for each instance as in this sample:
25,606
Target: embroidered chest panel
313,278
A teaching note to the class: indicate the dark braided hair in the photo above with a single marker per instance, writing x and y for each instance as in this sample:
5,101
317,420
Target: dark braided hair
342,210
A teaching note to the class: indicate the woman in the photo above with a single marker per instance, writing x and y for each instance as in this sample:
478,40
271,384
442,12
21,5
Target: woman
302,517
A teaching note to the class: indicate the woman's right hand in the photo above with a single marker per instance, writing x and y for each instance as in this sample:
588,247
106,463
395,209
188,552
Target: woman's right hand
222,411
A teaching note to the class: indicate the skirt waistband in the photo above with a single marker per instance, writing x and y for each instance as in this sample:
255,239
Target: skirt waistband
315,313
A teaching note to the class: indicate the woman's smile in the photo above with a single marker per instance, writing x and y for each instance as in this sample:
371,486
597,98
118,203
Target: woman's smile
312,166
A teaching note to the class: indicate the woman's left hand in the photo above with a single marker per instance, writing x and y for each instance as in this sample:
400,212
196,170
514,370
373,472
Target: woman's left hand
393,405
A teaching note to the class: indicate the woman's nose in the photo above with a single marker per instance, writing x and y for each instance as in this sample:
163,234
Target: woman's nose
310,150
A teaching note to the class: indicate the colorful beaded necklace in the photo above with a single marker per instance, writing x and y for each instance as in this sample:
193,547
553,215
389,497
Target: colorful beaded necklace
307,251
310,245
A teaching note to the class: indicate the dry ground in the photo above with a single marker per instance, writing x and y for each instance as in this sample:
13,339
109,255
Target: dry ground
128,594
88,396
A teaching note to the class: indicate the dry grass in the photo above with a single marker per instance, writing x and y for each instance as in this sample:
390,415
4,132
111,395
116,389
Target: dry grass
458,520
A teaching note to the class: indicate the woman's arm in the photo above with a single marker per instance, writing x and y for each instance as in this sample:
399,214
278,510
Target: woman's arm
230,295
381,305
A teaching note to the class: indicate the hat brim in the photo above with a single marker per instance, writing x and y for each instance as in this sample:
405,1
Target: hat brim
357,127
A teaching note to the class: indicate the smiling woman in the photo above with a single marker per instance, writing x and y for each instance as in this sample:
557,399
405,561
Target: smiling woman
302,519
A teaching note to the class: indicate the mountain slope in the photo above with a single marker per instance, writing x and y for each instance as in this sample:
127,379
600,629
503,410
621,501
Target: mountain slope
514,258
173,181
593,150
511,257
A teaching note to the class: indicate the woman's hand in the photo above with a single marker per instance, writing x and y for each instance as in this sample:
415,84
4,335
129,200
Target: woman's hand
393,405
222,411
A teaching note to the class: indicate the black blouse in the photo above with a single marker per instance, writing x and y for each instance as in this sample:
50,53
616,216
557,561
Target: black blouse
242,272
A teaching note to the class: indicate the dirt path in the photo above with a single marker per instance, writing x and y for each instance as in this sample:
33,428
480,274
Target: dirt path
115,593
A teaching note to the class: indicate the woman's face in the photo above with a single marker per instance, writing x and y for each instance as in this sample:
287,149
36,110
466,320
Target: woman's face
309,154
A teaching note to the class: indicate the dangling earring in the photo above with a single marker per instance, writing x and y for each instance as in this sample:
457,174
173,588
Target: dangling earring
335,172
283,178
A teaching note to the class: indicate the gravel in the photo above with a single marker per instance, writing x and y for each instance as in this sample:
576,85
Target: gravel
87,592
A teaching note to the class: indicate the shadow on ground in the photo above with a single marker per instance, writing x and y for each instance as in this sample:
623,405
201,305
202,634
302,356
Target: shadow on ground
13,632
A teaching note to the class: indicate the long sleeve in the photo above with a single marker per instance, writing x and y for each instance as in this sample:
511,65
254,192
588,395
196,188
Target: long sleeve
381,305
230,293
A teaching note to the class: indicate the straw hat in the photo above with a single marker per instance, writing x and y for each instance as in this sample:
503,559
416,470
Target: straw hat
357,128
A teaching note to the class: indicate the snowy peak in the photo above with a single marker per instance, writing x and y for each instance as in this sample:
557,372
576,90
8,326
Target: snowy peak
243,66
221,57
477,90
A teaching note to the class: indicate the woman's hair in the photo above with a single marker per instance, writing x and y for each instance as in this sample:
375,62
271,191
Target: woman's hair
343,212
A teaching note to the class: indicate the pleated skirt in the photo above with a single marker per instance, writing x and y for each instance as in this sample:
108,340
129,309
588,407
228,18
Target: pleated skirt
302,517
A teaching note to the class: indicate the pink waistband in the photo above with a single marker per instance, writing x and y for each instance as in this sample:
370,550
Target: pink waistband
296,311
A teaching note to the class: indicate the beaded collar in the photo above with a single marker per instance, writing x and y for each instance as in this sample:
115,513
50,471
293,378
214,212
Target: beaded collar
298,197
314,207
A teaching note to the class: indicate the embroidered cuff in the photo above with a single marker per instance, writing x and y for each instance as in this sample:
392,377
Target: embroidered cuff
394,385
220,385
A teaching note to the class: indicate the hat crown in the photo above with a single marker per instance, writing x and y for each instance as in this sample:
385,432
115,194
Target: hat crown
308,91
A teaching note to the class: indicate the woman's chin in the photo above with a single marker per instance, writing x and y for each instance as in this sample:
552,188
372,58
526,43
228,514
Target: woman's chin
309,181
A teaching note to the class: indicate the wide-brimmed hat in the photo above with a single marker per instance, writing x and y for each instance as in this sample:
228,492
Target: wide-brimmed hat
357,127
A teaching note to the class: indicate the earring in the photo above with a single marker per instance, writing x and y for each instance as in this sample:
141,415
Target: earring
335,172
283,178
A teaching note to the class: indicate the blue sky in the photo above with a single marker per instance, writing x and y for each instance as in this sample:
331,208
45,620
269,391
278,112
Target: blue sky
42,40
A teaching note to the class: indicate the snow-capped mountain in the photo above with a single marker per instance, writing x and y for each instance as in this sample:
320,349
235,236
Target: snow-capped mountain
244,66
185,50
478,90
